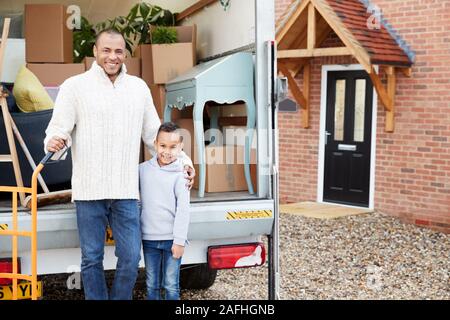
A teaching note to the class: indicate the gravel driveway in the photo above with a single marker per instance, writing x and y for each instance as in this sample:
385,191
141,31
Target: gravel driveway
368,256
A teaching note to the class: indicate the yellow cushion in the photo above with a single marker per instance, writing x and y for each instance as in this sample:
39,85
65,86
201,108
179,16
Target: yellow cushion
30,95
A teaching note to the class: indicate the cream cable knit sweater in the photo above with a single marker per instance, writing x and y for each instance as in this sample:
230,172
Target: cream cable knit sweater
103,122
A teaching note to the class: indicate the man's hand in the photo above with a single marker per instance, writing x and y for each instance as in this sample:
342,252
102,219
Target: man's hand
55,144
177,251
190,176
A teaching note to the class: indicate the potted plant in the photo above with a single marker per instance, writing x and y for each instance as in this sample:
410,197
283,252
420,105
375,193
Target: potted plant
141,17
83,41
162,50
163,35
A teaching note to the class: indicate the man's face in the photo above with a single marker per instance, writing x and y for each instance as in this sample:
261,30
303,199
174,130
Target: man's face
168,146
110,53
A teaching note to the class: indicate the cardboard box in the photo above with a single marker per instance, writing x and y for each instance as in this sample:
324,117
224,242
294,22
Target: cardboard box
158,92
47,37
159,99
236,135
189,144
54,74
133,65
225,169
233,110
163,62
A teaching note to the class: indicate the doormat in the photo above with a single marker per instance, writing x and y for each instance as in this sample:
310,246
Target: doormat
321,210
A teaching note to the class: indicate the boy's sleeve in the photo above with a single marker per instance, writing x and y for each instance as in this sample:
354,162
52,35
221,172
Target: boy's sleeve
182,215
63,119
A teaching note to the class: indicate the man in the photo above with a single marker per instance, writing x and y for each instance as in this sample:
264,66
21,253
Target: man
102,114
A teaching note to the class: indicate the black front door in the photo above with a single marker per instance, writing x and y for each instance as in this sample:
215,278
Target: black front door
348,138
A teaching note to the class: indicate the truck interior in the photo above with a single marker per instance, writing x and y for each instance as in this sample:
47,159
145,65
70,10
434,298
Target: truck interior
233,145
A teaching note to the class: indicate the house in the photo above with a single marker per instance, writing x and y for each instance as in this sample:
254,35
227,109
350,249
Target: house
370,125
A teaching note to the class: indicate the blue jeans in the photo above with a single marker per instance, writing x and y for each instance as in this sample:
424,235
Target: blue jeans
92,219
162,270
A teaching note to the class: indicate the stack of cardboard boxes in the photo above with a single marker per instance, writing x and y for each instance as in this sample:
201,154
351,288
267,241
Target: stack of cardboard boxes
49,44
224,162
161,63
164,62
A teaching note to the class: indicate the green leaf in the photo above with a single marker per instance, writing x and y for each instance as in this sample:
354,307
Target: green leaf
133,13
144,10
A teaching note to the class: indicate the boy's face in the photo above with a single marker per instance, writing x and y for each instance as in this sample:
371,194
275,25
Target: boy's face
168,146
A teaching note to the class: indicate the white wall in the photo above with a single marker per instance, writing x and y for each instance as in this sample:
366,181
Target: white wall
13,60
98,10
220,31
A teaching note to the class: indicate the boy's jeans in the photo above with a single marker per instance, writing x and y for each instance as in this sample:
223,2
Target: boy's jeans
124,219
162,270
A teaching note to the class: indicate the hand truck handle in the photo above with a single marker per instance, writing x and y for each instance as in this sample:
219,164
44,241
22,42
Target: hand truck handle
47,157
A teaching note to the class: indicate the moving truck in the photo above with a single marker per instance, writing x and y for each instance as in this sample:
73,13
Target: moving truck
227,229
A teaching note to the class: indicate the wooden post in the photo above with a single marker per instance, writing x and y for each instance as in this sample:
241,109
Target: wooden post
311,27
390,114
296,92
381,91
306,94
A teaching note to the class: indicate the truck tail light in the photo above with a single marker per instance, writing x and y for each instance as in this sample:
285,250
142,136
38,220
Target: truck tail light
6,266
236,256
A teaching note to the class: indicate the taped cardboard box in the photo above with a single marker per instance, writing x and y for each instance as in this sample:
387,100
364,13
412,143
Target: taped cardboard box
164,62
54,74
133,65
225,169
47,37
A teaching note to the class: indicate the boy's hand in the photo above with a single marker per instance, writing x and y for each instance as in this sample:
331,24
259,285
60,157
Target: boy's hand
190,176
177,251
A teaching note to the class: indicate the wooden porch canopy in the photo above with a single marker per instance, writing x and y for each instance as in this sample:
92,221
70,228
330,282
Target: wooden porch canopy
306,24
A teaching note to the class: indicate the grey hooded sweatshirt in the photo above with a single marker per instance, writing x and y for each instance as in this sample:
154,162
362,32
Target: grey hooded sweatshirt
165,201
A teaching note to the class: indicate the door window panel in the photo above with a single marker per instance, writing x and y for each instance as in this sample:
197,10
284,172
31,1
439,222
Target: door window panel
360,107
339,111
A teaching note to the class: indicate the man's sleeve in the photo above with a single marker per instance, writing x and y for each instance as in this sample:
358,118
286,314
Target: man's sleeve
63,119
150,124
181,224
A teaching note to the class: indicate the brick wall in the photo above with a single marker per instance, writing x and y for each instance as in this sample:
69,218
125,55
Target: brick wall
413,163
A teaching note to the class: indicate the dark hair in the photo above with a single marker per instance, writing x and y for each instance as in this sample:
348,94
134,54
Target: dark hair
169,127
108,31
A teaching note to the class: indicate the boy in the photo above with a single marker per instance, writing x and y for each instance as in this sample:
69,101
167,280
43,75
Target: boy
165,214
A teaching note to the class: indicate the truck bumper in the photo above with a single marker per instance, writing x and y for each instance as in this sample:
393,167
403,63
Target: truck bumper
215,223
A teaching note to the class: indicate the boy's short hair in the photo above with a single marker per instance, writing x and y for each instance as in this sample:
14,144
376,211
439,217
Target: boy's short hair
169,127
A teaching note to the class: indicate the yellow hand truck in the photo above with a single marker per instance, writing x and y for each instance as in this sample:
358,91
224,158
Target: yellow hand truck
32,234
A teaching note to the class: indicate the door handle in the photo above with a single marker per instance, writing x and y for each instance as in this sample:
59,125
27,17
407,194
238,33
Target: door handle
326,137
347,147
